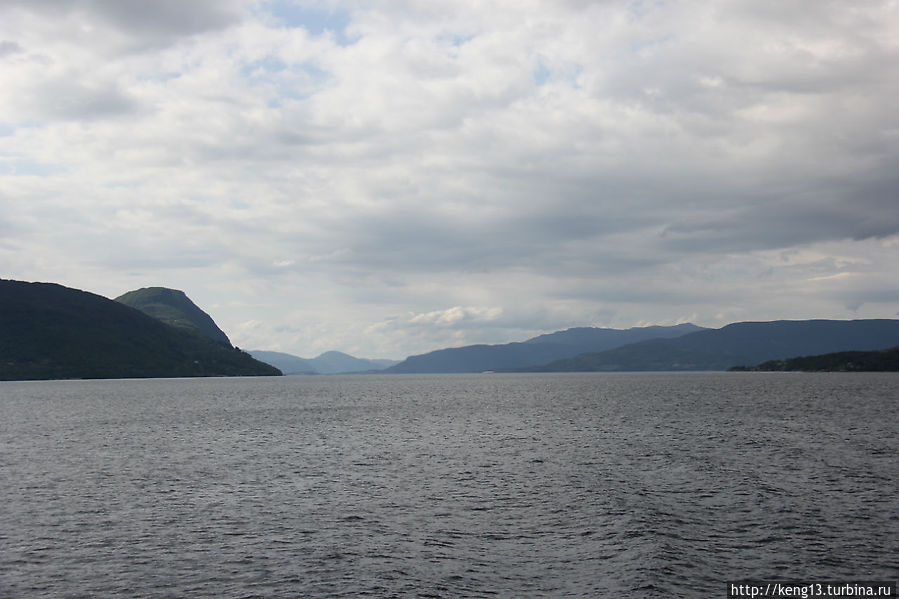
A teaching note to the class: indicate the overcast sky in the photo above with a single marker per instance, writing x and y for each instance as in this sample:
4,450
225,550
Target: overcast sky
386,181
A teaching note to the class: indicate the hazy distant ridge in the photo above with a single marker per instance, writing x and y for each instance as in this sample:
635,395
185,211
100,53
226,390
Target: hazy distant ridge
535,351
331,362
738,344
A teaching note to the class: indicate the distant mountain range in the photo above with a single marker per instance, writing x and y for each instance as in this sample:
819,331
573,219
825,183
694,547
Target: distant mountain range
286,363
332,362
533,352
48,331
738,344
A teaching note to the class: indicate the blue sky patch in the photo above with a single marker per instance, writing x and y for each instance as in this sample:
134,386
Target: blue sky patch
23,168
314,20
541,74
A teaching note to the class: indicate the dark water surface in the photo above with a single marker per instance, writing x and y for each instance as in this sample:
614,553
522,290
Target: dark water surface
594,485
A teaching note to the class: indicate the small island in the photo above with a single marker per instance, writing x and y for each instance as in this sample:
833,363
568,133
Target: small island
886,360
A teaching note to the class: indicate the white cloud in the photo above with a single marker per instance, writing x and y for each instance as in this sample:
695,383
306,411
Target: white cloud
327,169
456,315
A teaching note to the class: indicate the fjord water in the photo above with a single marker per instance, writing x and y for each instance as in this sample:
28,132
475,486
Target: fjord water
593,485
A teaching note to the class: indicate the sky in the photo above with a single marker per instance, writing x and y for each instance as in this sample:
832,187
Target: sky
388,178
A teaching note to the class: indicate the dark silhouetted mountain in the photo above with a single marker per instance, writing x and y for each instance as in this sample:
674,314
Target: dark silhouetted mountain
737,344
332,362
886,360
173,307
539,350
48,331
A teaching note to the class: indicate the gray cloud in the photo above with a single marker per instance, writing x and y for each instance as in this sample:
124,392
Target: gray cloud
8,48
167,17
71,99
146,23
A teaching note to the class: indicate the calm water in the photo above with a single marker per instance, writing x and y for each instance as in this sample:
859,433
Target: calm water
596,485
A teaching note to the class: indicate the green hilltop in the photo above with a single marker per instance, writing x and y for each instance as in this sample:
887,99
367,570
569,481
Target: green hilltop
173,307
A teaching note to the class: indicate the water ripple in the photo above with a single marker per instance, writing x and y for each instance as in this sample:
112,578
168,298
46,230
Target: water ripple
651,485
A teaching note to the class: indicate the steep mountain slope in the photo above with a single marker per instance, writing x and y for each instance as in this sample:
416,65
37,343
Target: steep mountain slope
173,307
48,331
539,350
738,344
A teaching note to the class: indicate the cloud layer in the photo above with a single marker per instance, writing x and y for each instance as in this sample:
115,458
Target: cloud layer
385,181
